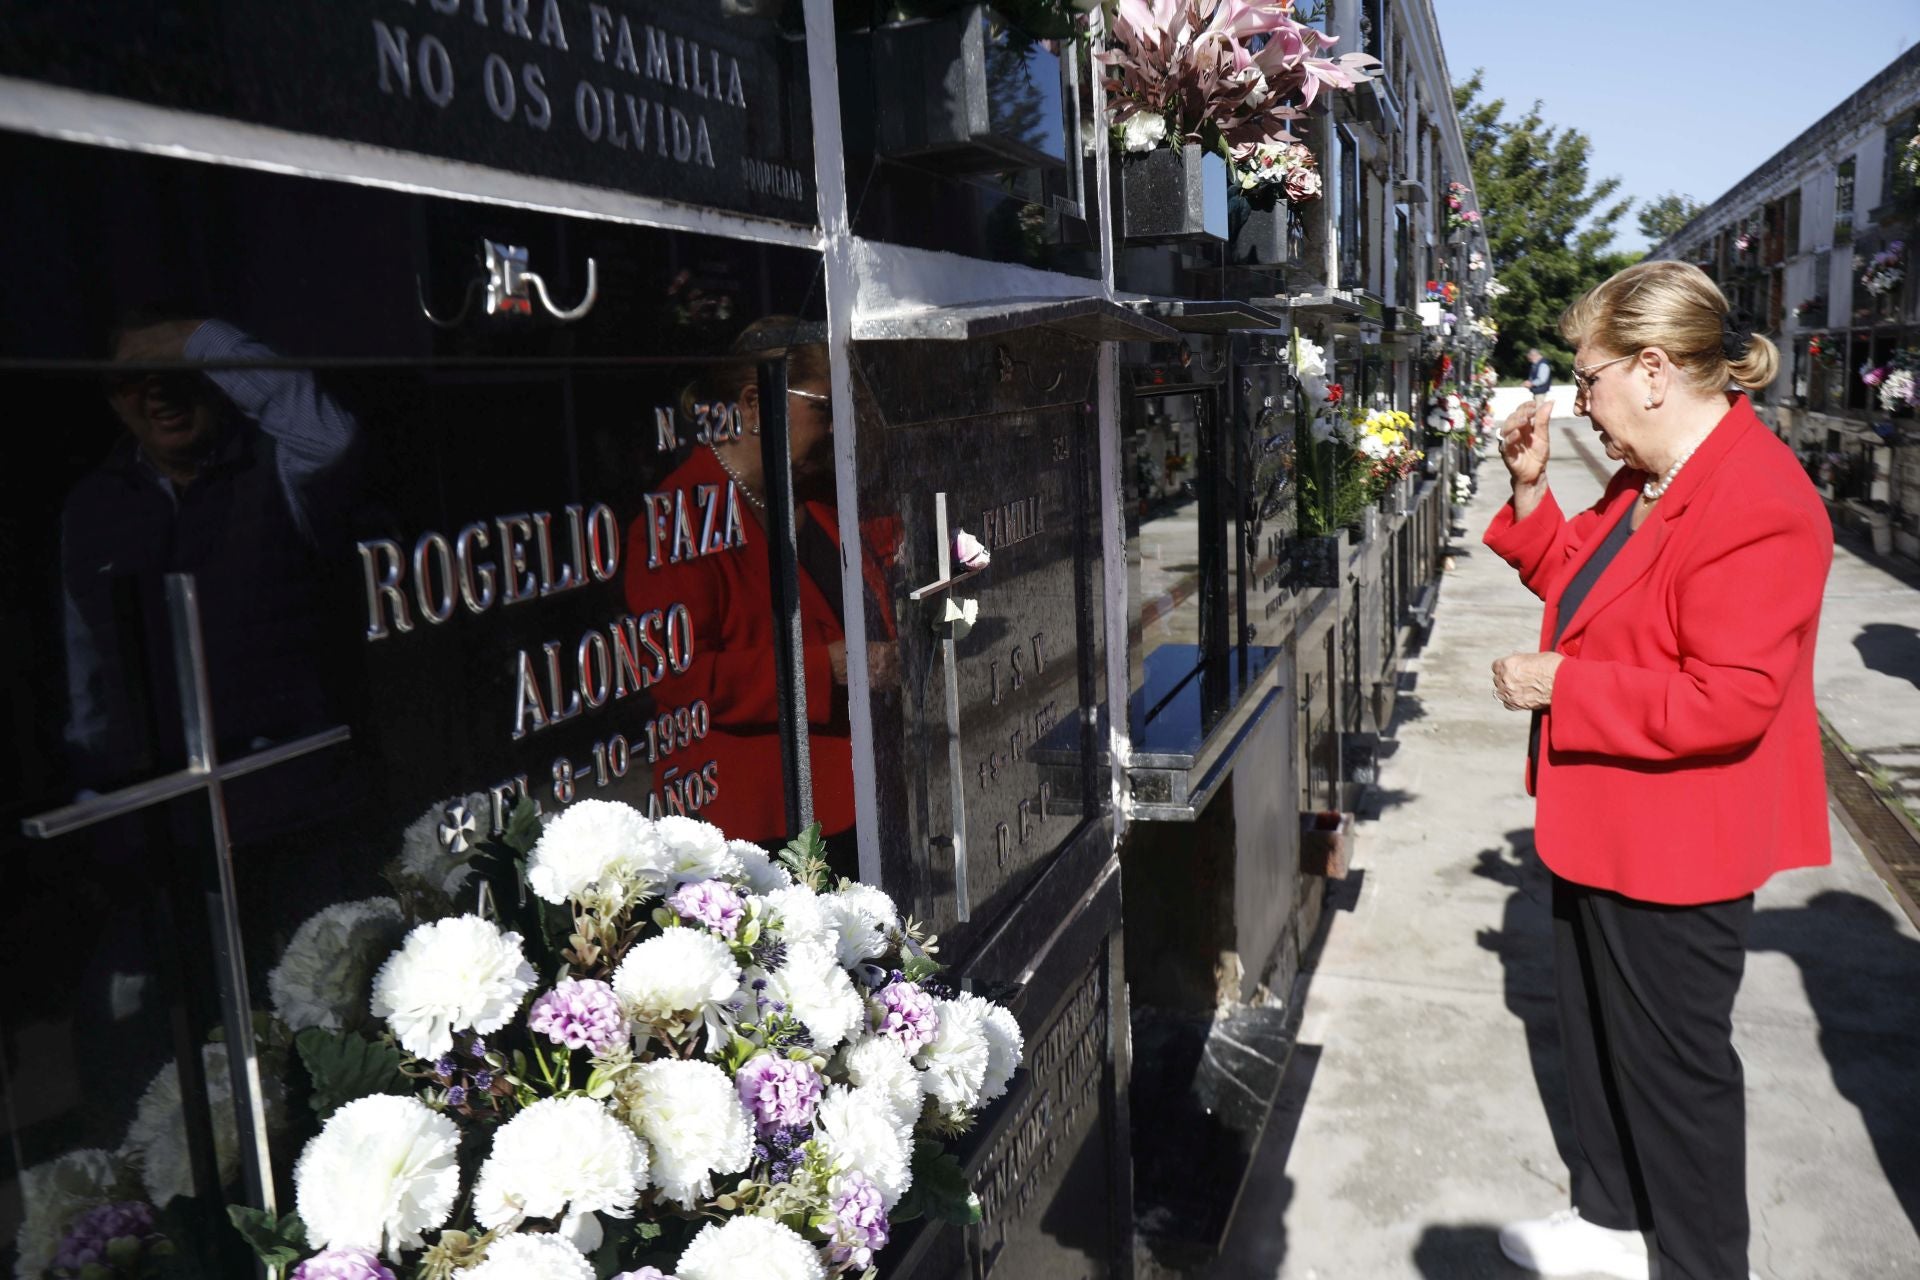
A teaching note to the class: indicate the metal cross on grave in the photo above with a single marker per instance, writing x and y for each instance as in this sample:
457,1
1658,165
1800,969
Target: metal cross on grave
206,772
956,757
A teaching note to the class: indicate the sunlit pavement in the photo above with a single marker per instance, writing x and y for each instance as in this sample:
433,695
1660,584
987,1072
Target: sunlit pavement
1425,1097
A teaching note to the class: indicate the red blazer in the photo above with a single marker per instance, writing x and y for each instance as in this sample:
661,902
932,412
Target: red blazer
1680,761
729,595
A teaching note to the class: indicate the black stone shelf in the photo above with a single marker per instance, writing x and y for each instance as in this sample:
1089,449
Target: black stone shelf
1203,1087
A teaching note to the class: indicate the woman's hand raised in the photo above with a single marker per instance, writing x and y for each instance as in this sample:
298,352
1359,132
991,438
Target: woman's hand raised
1524,444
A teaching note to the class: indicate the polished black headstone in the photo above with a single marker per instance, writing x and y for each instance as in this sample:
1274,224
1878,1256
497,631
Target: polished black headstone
703,102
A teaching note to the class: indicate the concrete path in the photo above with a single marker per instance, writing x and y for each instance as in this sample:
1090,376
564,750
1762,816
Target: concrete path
1425,1105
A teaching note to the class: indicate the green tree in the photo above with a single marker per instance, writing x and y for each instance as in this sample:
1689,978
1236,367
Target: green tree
1663,215
1550,226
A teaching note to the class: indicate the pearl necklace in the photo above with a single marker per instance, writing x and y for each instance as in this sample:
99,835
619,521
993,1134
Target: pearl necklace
1657,489
738,483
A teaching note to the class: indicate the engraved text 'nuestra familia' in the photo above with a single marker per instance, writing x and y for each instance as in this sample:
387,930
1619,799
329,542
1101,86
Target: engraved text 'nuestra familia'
646,89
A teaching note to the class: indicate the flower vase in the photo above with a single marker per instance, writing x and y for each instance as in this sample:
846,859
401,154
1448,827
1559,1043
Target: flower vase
963,91
1326,844
1173,194
1264,237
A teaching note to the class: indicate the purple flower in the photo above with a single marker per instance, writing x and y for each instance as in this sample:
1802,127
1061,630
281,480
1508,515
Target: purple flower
644,1273
457,1096
443,1066
902,1011
713,903
859,1221
580,1015
342,1264
778,1091
479,1047
88,1237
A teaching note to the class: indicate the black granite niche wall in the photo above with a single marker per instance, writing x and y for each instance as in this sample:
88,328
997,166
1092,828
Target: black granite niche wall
1006,431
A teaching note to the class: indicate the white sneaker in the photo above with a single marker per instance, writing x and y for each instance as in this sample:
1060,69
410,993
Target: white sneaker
1565,1244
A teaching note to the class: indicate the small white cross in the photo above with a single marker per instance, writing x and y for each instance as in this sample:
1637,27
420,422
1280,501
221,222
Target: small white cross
456,833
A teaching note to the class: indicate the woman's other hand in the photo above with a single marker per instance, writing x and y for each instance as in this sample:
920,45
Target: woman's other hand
1524,681
883,663
1524,444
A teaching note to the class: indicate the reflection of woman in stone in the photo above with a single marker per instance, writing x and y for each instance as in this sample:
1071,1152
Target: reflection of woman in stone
729,596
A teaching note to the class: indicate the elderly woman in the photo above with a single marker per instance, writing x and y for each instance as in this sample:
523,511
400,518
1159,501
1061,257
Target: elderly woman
1675,757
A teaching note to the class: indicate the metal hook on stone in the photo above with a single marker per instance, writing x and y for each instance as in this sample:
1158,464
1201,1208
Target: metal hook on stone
510,287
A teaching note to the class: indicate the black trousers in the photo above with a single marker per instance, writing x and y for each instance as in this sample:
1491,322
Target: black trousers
1645,995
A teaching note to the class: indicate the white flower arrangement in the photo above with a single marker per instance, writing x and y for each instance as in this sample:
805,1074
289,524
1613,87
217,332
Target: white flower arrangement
681,974
381,1172
694,850
955,1060
861,916
451,975
758,871
587,1066
1143,131
52,1195
754,1247
156,1142
860,1133
425,860
530,1257
878,1066
819,993
562,1158
328,967
693,1122
595,847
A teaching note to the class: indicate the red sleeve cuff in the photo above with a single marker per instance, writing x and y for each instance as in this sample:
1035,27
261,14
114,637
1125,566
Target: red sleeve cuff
1512,539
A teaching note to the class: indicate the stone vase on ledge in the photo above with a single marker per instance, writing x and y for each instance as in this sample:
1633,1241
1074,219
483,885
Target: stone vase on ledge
1172,195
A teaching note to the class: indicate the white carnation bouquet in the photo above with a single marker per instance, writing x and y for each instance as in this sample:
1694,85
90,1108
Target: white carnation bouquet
680,1057
647,1052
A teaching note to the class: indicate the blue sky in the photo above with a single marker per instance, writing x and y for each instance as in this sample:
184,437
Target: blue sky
1688,95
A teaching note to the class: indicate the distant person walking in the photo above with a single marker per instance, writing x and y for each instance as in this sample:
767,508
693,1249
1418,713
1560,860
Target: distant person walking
1539,376
1675,759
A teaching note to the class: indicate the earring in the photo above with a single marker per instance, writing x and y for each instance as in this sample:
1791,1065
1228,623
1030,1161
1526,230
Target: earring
1649,399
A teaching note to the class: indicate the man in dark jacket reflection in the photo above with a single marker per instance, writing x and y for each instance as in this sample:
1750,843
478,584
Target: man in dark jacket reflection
240,474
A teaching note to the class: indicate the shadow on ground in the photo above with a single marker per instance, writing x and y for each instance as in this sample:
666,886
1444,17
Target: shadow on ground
1851,956
1892,649
1467,1252
1524,943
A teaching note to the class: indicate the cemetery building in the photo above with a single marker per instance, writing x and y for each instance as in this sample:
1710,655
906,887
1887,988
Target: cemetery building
441,408
1814,247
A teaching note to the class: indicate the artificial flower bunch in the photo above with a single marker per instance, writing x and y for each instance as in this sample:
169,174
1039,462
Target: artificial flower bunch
1276,171
718,1056
1384,441
1459,215
1807,308
1882,273
1227,74
1332,482
1899,385
663,1053
1462,488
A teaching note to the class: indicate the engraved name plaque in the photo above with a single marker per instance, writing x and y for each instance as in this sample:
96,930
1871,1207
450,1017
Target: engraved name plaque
694,100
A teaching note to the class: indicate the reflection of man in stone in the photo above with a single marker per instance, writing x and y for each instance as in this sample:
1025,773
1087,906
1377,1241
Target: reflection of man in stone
729,595
238,474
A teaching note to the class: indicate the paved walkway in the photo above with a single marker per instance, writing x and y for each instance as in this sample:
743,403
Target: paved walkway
1425,1104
